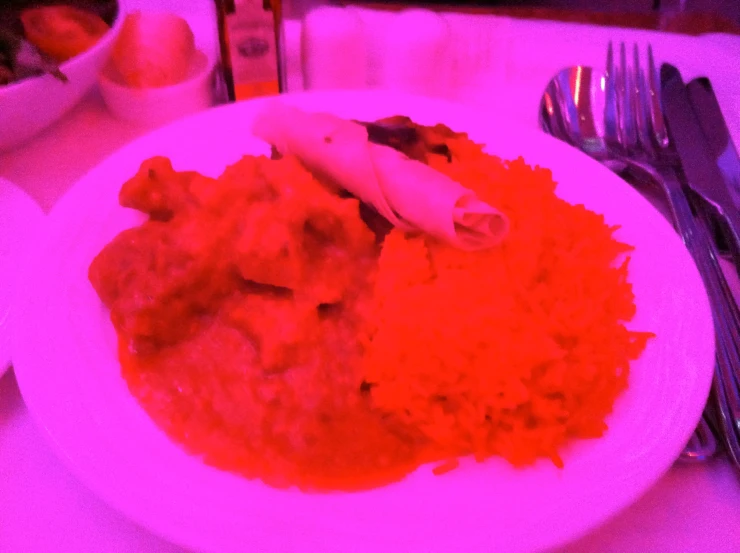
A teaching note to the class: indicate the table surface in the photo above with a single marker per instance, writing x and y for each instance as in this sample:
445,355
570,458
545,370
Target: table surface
693,508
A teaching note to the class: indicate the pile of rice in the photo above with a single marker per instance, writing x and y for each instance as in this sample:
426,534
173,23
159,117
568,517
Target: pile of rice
511,351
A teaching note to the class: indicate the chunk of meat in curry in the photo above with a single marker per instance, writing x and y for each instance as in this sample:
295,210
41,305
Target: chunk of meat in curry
207,238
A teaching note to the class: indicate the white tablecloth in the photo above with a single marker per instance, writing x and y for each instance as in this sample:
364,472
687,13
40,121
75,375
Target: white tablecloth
44,509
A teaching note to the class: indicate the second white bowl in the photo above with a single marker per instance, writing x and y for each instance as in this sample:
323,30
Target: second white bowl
163,104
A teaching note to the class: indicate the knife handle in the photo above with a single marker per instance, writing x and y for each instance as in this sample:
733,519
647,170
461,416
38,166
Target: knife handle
725,384
732,315
725,313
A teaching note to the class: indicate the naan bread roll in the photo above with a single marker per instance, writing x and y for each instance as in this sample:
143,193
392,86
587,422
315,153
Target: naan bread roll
410,194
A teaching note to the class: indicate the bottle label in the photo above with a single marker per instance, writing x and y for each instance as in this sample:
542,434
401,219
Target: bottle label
252,49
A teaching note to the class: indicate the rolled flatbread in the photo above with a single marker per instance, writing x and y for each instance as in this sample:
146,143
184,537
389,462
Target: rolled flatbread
410,194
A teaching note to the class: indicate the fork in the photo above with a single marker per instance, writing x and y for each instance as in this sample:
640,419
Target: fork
636,129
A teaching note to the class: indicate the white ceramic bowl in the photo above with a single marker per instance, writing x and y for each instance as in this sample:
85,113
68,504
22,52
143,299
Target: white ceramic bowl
30,105
162,104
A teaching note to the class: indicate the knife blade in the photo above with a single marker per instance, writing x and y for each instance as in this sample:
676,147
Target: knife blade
712,121
699,166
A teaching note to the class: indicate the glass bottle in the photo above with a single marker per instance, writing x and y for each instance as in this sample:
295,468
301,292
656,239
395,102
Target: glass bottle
249,32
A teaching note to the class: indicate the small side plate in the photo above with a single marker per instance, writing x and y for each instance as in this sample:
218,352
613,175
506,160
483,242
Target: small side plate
20,218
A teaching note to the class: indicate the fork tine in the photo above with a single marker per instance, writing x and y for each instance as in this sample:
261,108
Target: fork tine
656,111
629,131
642,108
620,88
610,93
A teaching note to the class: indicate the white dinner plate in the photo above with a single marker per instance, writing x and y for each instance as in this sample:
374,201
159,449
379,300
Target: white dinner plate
20,217
70,378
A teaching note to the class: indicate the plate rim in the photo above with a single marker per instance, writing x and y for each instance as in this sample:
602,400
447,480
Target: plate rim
80,473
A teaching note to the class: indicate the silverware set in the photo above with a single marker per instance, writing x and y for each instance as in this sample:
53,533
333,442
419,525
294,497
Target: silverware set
663,135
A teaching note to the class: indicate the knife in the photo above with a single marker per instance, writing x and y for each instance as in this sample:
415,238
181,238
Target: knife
716,133
703,176
700,167
719,140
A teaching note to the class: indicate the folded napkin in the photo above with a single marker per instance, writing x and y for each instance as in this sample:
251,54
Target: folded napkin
415,51
333,49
